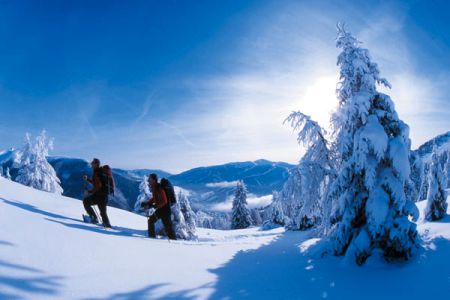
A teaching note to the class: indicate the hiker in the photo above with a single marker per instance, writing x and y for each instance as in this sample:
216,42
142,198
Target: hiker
98,195
159,201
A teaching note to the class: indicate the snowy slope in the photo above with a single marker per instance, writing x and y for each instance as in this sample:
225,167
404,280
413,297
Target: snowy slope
442,142
46,252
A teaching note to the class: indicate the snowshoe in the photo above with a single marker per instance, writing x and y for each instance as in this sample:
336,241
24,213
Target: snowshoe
89,219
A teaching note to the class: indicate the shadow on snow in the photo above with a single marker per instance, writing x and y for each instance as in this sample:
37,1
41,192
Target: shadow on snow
32,281
148,293
280,271
60,219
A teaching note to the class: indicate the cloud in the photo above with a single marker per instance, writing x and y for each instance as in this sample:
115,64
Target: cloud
174,130
145,109
252,201
222,184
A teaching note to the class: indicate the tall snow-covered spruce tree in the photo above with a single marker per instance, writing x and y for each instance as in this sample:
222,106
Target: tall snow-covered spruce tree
240,214
34,169
437,196
372,144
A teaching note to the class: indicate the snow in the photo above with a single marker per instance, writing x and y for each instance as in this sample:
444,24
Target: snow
46,252
377,209
373,134
399,154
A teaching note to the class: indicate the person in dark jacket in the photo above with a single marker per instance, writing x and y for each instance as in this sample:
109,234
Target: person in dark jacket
159,201
98,195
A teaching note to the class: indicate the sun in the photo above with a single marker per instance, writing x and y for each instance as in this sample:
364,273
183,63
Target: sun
319,99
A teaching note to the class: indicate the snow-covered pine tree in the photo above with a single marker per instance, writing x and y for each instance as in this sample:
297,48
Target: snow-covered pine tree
178,222
373,146
315,169
27,155
1,172
447,171
446,168
144,194
189,215
423,190
240,213
416,176
204,220
437,196
255,214
274,213
7,174
221,220
34,169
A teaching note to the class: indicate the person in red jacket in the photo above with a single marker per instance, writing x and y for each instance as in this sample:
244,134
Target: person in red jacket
159,201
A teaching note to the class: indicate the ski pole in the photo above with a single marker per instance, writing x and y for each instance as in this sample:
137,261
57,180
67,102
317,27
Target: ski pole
98,216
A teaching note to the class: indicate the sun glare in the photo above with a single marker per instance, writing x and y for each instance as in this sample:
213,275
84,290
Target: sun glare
319,99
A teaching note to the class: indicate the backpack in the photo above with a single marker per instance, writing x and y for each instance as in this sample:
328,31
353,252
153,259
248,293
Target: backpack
106,179
169,190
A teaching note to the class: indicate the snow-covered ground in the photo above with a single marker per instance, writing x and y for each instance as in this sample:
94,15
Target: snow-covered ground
47,252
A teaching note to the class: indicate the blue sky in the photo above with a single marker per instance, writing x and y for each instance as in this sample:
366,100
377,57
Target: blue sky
180,84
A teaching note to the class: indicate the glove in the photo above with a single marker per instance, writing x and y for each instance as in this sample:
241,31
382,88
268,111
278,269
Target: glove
145,205
150,211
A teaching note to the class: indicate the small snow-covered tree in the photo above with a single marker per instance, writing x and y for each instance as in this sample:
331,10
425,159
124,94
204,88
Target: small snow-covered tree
204,220
34,169
373,145
1,172
423,190
240,213
144,194
437,196
255,214
189,215
178,222
221,220
7,173
27,156
416,176
446,168
274,215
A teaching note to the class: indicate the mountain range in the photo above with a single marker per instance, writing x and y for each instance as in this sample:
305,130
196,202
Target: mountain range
205,186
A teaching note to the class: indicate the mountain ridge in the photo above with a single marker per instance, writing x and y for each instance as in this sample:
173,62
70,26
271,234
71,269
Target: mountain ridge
207,185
